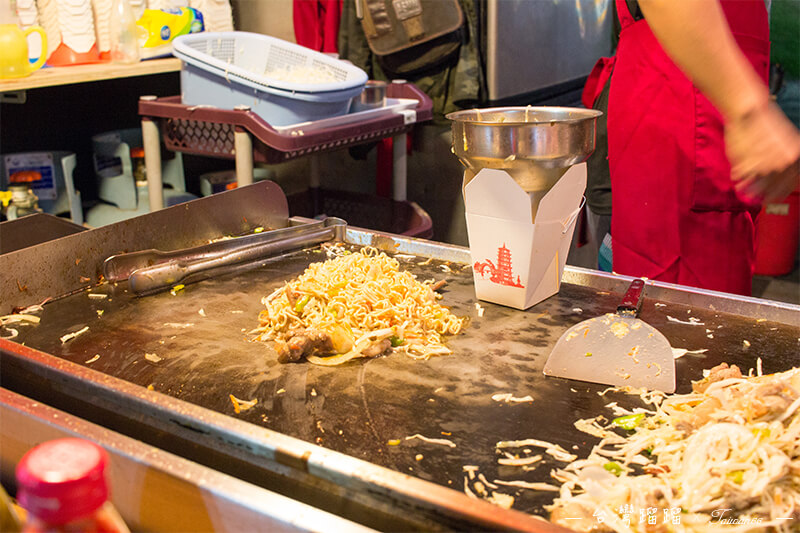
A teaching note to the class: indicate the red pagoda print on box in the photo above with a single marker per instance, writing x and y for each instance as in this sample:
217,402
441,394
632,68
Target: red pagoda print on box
501,274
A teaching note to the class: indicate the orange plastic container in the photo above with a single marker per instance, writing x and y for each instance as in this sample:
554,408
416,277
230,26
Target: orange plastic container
778,236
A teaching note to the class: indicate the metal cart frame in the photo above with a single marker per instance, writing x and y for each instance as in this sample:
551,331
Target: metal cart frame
247,138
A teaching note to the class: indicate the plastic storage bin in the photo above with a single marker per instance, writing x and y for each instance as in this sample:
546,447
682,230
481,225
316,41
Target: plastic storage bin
282,82
209,131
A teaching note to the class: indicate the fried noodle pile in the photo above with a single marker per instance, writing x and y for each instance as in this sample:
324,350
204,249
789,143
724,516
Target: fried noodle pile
356,305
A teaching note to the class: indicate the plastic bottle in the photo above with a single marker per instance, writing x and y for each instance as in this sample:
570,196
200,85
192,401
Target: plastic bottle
124,42
139,169
62,486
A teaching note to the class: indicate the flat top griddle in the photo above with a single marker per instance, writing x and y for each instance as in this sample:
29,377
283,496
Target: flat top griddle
200,335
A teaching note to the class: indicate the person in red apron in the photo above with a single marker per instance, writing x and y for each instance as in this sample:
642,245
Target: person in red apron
677,215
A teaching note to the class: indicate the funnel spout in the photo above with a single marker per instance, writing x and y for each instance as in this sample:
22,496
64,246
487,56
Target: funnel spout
535,145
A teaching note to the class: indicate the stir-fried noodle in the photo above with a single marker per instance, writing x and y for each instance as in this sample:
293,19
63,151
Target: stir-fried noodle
356,305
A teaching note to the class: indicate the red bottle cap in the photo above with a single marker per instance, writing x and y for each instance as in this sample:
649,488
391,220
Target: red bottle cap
61,480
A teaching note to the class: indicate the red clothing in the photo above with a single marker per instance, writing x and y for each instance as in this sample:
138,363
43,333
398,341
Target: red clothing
316,24
676,216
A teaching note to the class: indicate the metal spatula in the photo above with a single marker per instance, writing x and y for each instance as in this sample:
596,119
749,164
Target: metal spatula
616,349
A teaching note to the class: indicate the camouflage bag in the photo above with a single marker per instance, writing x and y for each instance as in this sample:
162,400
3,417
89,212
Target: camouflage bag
412,36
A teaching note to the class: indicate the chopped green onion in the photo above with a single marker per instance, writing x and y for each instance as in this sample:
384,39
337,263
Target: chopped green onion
301,303
613,467
396,341
628,421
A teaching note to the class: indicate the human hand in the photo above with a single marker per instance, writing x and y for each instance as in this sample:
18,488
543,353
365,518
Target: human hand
764,150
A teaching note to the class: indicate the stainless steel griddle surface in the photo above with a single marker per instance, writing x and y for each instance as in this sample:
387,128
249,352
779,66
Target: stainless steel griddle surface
206,355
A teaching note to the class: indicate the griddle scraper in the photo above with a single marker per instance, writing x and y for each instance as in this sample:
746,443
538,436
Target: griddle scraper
616,349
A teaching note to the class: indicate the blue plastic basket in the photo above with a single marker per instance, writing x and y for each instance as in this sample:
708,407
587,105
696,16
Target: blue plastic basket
282,82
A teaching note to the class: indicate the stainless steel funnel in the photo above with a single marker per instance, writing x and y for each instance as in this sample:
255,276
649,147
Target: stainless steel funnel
535,145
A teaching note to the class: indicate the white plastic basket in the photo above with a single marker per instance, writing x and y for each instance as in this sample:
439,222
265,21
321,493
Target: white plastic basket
227,69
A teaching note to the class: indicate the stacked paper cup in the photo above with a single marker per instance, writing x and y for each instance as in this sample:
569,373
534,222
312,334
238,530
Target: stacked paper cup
102,22
70,23
77,24
48,19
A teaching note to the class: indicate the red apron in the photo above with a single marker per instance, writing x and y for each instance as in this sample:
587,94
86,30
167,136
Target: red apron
676,216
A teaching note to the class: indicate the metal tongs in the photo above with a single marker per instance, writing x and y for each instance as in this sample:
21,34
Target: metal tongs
150,271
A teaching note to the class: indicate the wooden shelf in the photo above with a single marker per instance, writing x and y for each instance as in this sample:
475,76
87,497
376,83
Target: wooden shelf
53,76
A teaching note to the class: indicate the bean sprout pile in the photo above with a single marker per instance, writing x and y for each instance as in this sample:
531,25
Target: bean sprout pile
724,458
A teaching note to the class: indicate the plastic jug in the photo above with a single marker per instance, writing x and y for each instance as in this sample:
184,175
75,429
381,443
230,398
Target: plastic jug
124,43
14,61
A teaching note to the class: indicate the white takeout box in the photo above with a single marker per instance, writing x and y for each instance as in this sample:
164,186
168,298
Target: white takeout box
515,261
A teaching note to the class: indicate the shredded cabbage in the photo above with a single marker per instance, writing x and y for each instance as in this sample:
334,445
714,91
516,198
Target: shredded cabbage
723,458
